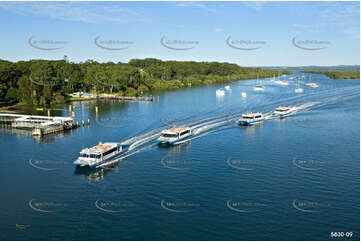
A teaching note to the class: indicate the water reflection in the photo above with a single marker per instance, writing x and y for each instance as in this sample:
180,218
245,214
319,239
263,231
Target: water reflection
96,174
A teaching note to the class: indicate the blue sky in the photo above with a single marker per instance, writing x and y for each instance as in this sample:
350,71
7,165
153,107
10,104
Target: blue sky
274,33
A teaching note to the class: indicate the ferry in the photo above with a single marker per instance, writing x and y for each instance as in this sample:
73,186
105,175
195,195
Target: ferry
282,111
175,135
250,119
99,154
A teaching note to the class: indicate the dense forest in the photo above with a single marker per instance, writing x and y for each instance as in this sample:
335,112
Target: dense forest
43,82
338,74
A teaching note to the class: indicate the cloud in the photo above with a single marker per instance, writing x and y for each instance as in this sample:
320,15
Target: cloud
198,5
80,12
257,6
218,30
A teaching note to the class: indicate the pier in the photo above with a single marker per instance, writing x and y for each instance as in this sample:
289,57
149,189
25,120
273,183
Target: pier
39,125
117,97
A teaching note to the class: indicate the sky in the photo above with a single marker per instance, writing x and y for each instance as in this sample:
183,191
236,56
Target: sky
245,33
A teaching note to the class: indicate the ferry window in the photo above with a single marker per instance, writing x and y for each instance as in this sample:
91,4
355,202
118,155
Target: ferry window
169,135
94,156
83,155
185,132
110,151
258,116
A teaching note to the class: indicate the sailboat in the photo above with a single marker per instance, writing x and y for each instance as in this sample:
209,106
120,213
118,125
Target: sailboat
298,88
258,86
312,84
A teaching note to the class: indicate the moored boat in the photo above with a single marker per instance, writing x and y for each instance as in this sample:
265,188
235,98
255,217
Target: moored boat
312,84
220,92
258,88
175,135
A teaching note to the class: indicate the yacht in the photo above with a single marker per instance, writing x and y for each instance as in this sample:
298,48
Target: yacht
175,135
250,119
282,111
312,84
99,154
220,92
228,87
299,90
258,88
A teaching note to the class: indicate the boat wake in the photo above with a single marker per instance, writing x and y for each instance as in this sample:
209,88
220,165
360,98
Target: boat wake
208,125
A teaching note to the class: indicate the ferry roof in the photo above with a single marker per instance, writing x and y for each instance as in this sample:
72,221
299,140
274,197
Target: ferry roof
251,114
100,148
283,107
174,130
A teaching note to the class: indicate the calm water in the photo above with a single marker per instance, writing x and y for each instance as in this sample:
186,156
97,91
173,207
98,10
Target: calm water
290,179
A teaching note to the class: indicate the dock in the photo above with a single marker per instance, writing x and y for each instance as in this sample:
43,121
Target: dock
124,98
39,125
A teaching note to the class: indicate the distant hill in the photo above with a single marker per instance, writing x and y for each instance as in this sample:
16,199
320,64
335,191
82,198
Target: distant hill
343,68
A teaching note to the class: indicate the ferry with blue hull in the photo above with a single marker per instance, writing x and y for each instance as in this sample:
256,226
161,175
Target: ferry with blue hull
174,136
99,154
282,111
249,119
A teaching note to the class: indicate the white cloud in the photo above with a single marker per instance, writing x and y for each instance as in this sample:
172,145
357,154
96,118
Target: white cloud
257,6
80,12
199,5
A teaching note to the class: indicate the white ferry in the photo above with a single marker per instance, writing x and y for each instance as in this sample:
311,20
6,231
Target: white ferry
99,154
250,119
282,111
175,135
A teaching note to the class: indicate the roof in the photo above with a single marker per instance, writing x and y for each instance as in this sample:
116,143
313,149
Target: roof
283,107
175,130
100,148
251,114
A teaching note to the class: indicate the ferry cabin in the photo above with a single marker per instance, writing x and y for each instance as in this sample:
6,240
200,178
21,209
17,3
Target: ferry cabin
174,135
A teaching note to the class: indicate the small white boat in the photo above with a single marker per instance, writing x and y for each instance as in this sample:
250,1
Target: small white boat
175,135
312,84
244,94
220,92
250,119
299,90
284,83
228,88
282,111
99,154
258,88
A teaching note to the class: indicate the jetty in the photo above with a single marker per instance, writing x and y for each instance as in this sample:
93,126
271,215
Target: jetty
117,97
39,125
